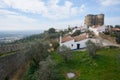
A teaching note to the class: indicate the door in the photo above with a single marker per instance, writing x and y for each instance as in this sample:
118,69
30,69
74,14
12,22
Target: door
78,46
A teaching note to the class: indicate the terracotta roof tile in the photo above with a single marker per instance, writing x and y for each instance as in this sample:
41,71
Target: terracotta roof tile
66,38
115,29
80,37
76,38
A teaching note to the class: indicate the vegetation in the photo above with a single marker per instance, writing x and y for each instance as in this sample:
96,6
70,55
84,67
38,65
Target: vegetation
117,26
92,48
38,52
104,67
115,34
45,36
51,30
7,53
76,33
55,65
65,52
118,38
45,70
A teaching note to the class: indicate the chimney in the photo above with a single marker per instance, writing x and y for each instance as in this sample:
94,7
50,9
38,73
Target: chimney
60,40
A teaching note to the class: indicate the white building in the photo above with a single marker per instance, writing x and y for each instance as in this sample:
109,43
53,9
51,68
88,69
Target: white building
77,42
97,29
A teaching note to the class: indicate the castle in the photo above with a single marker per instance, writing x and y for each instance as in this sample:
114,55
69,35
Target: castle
94,20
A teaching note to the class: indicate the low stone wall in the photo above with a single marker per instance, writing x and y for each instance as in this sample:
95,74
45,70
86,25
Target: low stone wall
11,63
108,37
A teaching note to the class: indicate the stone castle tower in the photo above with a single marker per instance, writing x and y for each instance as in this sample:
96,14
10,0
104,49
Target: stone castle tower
94,20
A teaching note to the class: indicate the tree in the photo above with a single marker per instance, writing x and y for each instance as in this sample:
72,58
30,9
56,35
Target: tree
117,26
38,51
92,48
65,52
76,33
118,38
69,29
55,44
45,70
51,30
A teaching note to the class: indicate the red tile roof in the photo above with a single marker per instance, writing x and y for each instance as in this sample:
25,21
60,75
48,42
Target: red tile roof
66,38
76,38
97,26
115,29
80,37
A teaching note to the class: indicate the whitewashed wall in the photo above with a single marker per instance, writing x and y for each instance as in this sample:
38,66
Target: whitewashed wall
82,43
70,43
94,30
97,30
101,29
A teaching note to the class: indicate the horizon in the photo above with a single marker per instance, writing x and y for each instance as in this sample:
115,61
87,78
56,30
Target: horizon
26,15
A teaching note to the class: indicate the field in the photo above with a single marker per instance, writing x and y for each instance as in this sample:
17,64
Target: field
106,65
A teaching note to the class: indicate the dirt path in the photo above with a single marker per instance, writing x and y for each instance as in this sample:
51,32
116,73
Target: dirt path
20,72
107,42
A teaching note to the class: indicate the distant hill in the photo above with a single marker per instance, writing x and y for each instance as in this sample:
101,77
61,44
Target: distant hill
10,36
18,33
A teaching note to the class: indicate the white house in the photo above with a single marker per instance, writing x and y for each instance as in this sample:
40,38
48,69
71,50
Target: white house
77,42
97,29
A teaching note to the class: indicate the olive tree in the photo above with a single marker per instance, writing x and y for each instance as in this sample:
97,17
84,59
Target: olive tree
45,70
92,48
65,52
51,30
38,51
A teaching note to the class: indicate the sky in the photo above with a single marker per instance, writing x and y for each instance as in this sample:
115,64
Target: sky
44,14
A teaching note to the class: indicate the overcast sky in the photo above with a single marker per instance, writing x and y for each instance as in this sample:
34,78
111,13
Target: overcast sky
43,14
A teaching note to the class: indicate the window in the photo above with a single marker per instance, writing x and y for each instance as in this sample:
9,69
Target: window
72,45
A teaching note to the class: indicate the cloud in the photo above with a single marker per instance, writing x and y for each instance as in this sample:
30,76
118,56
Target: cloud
2,4
109,2
25,5
49,9
6,12
82,8
13,16
16,21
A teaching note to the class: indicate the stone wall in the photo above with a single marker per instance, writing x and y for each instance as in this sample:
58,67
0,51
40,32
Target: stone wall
91,20
10,63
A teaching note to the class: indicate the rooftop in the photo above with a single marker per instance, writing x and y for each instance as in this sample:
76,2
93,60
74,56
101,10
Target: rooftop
80,37
115,29
76,38
66,38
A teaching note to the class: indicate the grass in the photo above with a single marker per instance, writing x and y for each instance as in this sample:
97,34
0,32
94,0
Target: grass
106,65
